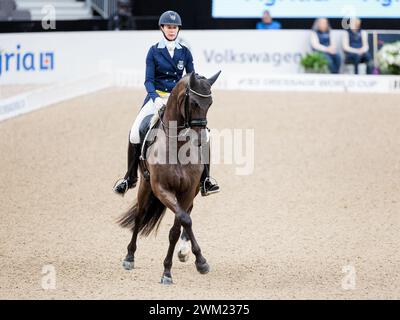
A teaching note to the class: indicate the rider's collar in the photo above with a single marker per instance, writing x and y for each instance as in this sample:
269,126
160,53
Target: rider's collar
163,44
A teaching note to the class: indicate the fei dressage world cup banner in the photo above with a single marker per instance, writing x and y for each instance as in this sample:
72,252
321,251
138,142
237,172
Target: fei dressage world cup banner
306,8
31,58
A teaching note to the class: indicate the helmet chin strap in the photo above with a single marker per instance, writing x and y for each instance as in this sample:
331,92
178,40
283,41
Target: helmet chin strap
162,31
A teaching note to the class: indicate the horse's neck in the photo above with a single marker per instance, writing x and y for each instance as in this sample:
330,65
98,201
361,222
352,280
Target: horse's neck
172,114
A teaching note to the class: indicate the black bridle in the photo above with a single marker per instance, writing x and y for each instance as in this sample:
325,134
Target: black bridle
188,121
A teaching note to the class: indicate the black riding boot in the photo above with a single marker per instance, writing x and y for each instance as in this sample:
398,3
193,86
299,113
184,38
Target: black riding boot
207,186
131,177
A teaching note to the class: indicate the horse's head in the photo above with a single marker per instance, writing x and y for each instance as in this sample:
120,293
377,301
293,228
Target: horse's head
194,99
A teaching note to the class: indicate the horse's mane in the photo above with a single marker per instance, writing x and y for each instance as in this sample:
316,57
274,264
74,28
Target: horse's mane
174,93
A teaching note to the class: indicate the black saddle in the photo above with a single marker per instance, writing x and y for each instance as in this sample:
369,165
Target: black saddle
146,142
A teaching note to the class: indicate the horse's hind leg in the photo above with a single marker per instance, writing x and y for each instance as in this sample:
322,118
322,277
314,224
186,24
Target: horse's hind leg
173,238
129,260
184,247
142,196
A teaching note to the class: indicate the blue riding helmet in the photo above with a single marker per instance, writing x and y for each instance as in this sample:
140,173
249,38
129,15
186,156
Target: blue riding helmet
170,17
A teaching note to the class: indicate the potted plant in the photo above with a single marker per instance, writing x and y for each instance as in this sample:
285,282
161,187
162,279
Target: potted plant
314,62
389,58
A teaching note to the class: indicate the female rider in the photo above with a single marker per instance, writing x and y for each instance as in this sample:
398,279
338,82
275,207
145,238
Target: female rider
164,68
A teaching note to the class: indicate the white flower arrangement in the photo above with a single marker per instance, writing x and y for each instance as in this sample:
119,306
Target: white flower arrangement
389,58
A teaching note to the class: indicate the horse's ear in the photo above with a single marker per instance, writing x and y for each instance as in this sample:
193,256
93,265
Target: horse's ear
192,79
214,78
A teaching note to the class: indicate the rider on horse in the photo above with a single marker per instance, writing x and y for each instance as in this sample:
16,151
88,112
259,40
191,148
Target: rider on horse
164,68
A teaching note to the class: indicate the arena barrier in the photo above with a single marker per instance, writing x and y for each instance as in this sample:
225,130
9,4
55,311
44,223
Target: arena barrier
34,58
40,98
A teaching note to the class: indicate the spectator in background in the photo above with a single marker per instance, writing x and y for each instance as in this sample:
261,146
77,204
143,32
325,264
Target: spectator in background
321,41
9,12
355,46
122,19
7,7
267,22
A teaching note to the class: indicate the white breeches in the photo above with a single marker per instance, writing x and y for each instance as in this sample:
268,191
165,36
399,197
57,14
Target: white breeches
148,109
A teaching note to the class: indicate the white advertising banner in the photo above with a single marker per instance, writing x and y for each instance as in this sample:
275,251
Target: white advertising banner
317,83
306,8
32,58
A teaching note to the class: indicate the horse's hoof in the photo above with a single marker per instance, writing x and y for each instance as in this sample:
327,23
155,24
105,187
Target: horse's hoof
166,280
128,265
183,257
203,268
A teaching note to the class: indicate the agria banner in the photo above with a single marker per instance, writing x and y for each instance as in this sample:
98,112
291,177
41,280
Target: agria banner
20,60
306,8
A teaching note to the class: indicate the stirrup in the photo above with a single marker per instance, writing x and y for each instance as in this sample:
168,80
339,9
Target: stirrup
213,182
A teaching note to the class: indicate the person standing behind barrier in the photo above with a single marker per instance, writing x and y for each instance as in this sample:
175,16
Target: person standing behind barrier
267,23
122,19
355,46
321,41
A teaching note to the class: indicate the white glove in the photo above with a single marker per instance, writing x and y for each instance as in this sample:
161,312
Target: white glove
158,103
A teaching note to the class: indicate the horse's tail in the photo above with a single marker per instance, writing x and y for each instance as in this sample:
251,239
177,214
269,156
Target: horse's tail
147,218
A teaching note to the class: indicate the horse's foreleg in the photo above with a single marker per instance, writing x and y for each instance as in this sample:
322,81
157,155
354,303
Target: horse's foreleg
184,244
173,239
186,221
171,202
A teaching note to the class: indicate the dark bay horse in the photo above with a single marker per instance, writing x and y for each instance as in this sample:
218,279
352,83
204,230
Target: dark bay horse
172,185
